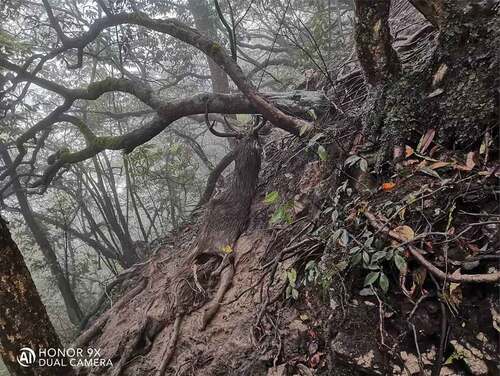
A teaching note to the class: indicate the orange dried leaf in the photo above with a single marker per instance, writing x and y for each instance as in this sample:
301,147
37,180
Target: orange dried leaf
388,186
439,164
408,151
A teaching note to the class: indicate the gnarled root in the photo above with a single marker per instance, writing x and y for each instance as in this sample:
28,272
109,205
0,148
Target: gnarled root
226,279
169,346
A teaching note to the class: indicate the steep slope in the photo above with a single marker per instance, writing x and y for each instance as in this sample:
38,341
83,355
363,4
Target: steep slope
337,261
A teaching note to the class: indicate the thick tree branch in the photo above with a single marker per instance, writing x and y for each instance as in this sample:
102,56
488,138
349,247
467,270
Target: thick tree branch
202,42
296,102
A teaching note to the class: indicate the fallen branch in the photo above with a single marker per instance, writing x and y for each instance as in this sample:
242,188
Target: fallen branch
415,252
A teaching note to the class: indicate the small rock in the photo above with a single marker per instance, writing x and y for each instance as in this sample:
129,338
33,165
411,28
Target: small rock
411,362
472,357
277,371
366,360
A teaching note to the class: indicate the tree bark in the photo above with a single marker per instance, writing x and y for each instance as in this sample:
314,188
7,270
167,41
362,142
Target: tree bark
73,309
206,24
374,41
24,322
450,90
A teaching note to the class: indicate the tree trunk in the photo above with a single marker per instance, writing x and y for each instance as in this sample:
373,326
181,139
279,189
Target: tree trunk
206,24
23,319
452,91
75,314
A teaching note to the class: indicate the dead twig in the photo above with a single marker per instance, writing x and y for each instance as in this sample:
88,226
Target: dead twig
417,254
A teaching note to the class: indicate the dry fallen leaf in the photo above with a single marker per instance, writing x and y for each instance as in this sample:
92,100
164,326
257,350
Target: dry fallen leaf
388,186
408,151
469,163
439,75
426,140
405,232
422,164
315,360
439,164
470,160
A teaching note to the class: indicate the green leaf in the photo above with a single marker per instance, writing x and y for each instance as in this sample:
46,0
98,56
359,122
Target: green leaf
292,276
305,128
278,216
295,294
430,172
371,278
378,256
341,266
356,259
271,198
312,113
354,250
363,165
383,282
351,160
288,292
366,258
400,262
322,153
344,239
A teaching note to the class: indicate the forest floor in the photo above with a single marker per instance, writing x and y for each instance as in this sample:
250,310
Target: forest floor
322,287
345,267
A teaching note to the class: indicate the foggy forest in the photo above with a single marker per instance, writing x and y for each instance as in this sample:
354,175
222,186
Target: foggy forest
249,187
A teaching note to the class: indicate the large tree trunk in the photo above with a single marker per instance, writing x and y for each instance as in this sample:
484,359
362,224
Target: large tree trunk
75,314
452,91
23,319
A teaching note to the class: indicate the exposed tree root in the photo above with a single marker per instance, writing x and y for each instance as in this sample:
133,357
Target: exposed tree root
92,332
128,349
211,263
96,327
226,279
169,347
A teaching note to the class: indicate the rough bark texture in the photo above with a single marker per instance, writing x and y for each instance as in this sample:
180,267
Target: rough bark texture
73,309
23,319
374,42
206,24
429,8
451,91
225,219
